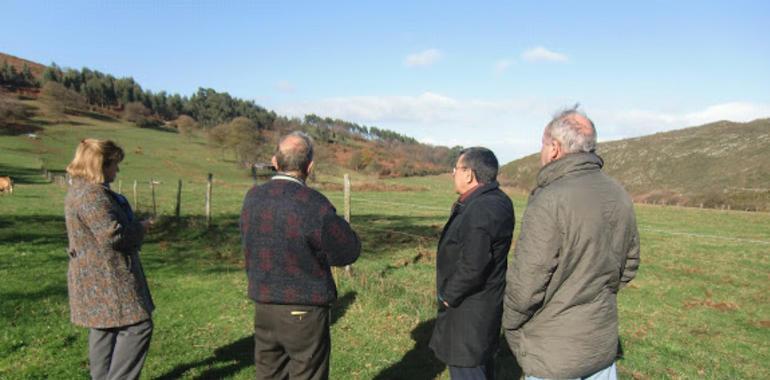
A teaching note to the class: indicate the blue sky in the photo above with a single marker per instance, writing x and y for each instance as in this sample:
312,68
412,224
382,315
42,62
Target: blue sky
468,73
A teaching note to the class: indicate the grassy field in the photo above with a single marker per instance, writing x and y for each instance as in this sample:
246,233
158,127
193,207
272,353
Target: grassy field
699,307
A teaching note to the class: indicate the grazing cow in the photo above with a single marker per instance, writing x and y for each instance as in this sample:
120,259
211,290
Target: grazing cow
6,184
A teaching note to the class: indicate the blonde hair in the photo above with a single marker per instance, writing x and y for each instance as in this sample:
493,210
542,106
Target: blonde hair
91,157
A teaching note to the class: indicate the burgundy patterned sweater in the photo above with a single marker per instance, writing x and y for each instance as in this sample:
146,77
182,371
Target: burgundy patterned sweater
291,235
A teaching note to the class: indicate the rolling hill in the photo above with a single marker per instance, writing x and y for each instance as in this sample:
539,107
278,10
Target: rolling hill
18,63
25,106
717,165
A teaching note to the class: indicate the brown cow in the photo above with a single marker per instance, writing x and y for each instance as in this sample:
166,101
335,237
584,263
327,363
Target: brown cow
6,185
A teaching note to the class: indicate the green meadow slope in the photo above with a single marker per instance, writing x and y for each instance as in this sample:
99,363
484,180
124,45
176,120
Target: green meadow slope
698,308
718,165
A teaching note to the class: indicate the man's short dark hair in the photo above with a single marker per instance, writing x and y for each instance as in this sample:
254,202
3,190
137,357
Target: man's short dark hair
296,157
482,161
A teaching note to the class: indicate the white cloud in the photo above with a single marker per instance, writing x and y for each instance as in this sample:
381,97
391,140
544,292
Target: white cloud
425,108
631,123
541,54
423,58
510,127
503,65
733,111
284,86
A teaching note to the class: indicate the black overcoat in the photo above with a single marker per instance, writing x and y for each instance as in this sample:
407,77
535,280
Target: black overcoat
470,276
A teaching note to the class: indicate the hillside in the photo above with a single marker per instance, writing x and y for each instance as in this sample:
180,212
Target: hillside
723,164
33,96
151,152
18,63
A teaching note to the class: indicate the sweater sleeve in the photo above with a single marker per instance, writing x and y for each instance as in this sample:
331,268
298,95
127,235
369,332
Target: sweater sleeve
98,214
534,261
339,243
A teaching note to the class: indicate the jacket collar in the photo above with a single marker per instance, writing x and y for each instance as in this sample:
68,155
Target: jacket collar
286,177
571,163
477,192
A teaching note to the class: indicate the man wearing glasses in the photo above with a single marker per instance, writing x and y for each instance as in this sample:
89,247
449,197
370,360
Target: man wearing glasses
470,268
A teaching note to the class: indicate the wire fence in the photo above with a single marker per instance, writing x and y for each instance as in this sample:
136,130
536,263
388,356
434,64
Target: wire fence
406,208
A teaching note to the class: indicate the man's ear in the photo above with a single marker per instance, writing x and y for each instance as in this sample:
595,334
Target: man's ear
556,150
275,163
310,167
470,176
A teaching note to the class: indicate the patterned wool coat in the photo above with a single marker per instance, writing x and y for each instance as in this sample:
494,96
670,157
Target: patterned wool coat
105,279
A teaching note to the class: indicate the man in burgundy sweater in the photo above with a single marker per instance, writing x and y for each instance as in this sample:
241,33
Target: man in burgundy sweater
291,236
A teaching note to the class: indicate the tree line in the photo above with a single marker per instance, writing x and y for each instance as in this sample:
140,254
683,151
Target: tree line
11,77
228,122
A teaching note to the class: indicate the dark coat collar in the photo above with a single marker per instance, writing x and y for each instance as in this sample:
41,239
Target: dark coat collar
477,192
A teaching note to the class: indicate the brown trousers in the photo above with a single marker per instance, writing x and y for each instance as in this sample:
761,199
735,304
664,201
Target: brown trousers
291,342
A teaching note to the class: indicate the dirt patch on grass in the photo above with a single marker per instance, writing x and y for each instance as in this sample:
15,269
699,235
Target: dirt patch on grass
710,303
721,306
692,270
703,331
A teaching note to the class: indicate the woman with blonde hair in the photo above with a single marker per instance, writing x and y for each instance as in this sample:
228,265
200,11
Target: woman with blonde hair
108,292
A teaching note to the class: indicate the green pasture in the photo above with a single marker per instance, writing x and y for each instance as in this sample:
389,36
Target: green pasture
699,308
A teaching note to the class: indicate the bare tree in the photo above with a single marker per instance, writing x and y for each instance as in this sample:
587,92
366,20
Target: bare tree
138,114
186,125
58,100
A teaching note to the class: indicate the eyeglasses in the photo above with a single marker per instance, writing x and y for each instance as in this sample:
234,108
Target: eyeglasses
454,169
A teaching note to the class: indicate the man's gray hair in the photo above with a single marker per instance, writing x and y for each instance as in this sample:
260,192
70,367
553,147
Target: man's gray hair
573,135
296,157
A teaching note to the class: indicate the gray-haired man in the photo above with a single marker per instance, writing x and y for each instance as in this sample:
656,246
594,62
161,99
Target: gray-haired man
291,236
578,246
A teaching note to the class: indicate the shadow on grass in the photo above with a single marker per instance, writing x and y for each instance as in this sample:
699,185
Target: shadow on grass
22,113
187,240
419,362
34,229
22,175
239,354
19,129
160,128
93,115
19,303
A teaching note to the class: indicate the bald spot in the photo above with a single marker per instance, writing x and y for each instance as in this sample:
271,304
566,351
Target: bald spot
291,145
580,124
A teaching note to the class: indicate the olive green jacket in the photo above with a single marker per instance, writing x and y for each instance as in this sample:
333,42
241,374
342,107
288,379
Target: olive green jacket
579,245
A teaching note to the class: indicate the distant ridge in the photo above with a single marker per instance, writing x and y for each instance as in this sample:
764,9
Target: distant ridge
718,165
18,63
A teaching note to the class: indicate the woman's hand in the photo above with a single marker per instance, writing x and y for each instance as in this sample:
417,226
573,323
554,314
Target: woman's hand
147,224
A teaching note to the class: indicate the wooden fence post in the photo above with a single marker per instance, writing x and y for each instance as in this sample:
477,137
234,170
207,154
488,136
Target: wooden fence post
208,201
136,200
348,268
178,207
154,203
